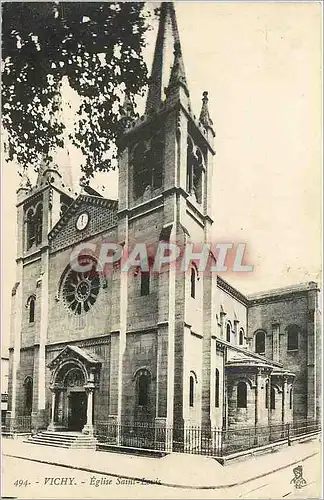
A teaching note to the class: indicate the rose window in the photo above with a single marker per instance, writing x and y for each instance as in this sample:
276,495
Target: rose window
81,289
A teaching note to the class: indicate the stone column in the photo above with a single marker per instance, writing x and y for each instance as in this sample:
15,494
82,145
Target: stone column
312,357
222,316
236,331
268,396
284,400
257,396
225,401
52,425
275,341
88,428
257,402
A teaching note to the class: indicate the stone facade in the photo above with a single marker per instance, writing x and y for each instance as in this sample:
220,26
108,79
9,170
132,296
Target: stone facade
108,348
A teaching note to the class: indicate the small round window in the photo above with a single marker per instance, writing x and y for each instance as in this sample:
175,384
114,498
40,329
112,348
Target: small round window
80,289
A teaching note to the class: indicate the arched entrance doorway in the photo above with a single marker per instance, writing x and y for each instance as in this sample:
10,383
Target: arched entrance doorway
75,400
74,378
69,400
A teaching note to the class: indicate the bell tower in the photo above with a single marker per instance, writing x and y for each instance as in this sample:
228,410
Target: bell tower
165,185
168,151
39,207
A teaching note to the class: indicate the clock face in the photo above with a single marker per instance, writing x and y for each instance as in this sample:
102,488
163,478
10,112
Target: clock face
82,221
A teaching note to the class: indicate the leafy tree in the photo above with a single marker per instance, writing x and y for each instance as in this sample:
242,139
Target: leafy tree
97,47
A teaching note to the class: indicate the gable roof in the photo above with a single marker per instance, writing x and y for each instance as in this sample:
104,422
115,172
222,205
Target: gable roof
102,217
82,198
71,351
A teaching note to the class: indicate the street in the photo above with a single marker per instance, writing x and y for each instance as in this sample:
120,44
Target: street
27,479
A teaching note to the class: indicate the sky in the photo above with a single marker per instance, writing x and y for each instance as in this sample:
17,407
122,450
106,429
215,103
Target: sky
261,65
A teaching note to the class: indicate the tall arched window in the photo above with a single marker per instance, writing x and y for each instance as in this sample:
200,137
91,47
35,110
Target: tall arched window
195,168
39,223
241,336
266,394
28,390
272,399
140,168
147,160
228,332
145,283
193,277
292,338
192,382
30,229
217,388
241,395
143,384
155,159
260,342
31,303
291,398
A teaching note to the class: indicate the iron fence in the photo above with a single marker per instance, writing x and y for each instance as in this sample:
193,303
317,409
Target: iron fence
21,424
187,439
136,435
199,440
304,427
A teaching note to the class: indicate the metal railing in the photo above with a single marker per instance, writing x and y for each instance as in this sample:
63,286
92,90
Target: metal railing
199,440
18,424
187,439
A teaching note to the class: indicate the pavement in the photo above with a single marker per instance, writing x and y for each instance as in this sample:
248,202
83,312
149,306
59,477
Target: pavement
176,470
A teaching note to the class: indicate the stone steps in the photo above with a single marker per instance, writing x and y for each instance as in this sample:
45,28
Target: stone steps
63,440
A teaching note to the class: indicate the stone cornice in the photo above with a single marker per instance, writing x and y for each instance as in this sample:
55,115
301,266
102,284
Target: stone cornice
285,293
247,353
148,329
226,287
146,120
248,363
198,335
92,341
220,346
33,195
283,373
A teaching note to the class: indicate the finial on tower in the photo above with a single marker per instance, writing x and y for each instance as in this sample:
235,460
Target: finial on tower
83,185
127,111
46,170
24,184
204,117
177,76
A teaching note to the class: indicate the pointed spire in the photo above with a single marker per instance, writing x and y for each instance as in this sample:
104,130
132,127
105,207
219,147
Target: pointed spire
65,165
204,117
67,170
24,181
127,111
24,185
178,76
167,32
154,95
62,161
45,167
83,183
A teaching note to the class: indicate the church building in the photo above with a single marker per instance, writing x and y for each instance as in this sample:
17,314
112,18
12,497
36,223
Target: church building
167,349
